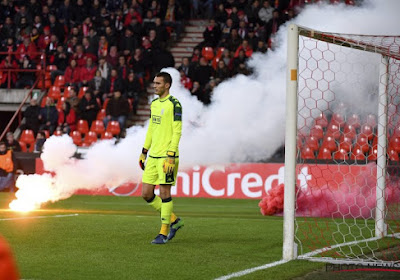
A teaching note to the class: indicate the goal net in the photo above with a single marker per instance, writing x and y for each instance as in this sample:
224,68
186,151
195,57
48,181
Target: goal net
342,168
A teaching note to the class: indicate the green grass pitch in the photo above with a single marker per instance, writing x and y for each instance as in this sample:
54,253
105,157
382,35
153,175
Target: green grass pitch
110,239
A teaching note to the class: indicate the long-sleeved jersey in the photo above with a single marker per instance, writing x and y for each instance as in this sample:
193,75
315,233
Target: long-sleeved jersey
165,127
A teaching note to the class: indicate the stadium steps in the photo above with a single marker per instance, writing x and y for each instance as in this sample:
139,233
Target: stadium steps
192,36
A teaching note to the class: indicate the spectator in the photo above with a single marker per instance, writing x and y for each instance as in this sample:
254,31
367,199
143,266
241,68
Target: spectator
8,77
112,57
242,30
8,30
122,68
251,11
154,41
114,82
212,34
203,72
173,17
206,96
185,81
133,90
161,32
234,41
79,12
261,47
40,139
65,12
61,59
240,59
8,46
26,79
155,8
48,116
265,13
248,51
149,22
11,143
274,24
31,115
221,15
137,63
128,42
94,40
197,90
52,48
56,28
117,110
88,47
23,29
104,68
26,48
88,107
222,73
203,8
186,67
44,39
73,100
7,168
252,38
67,119
88,72
98,85
195,56
72,74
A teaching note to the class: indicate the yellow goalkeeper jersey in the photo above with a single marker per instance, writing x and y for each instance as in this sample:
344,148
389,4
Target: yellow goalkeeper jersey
165,127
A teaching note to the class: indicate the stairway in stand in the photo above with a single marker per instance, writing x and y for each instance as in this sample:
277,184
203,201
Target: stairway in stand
192,36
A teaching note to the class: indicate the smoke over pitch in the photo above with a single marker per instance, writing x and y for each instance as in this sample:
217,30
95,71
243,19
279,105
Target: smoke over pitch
245,122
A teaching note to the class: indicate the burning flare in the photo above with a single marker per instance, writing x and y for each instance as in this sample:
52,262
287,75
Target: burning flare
34,190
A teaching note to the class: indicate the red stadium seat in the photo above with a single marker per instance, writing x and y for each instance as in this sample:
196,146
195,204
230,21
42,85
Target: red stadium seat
371,120
337,119
27,137
54,92
324,153
82,91
333,130
51,67
307,153
90,138
220,51
214,62
373,152
349,131
82,126
101,114
76,137
208,53
357,153
345,143
329,143
97,127
393,155
60,102
367,131
60,81
299,142
354,120
321,120
106,135
105,103
341,154
66,91
113,128
362,143
46,84
317,131
312,143
394,143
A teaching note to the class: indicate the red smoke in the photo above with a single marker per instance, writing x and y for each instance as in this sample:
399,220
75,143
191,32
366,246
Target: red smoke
353,199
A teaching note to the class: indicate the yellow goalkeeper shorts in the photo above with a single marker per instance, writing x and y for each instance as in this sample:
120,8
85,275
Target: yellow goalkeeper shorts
154,172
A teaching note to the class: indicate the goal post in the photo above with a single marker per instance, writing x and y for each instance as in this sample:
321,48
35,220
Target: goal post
343,126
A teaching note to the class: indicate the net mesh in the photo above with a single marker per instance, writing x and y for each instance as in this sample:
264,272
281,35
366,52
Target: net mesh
339,80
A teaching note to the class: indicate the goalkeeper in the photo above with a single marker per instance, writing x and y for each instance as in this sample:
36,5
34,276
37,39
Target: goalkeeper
161,150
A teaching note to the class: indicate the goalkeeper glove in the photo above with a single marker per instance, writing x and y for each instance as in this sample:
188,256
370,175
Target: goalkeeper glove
169,163
142,158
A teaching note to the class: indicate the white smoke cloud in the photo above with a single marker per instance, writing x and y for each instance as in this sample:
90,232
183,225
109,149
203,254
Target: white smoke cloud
245,121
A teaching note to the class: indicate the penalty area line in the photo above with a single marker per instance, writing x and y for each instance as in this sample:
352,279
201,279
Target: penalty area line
251,270
39,217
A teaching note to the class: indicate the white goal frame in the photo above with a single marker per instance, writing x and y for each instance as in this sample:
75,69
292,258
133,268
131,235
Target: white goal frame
289,251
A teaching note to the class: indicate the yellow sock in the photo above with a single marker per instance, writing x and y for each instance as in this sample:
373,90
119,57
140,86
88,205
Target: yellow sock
166,210
173,217
164,229
155,203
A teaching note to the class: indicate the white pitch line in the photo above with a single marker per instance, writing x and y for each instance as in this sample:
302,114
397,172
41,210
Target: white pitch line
251,270
39,217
